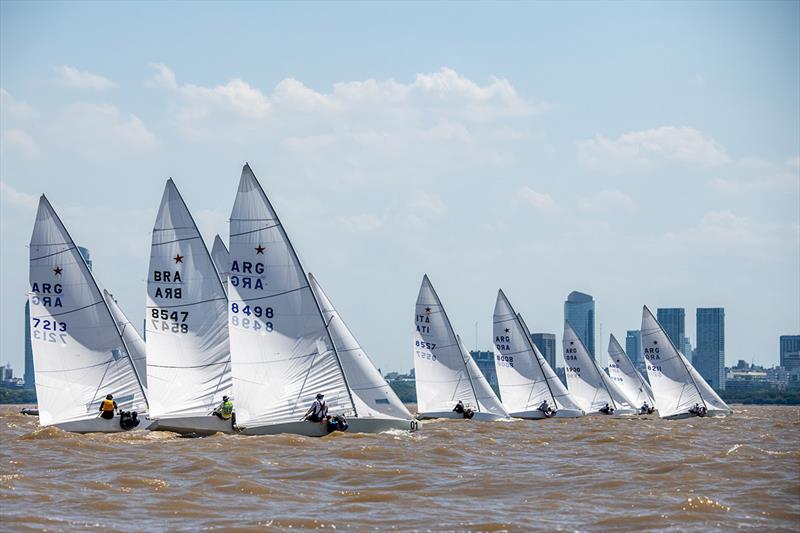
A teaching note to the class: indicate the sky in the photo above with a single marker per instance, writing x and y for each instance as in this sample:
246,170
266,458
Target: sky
644,153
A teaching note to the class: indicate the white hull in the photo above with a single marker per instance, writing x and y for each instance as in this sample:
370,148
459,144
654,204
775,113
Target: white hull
99,425
538,415
319,429
453,415
681,416
617,412
198,425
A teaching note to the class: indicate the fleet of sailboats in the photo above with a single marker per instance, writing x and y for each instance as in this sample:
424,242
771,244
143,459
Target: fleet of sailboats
250,325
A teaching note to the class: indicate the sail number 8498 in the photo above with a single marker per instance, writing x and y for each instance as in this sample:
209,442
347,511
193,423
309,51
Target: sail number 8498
253,313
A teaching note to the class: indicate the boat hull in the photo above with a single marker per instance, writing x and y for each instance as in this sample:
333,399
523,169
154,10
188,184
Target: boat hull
617,412
98,425
538,415
193,425
450,414
319,429
681,416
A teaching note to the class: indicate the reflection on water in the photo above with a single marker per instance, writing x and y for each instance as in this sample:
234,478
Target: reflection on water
596,473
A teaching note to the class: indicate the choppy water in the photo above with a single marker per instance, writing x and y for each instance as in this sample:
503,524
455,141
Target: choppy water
595,473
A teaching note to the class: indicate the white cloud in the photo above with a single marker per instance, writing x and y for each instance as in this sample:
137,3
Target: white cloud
756,175
604,201
81,79
725,229
428,203
100,131
647,147
11,108
360,223
18,140
538,200
13,197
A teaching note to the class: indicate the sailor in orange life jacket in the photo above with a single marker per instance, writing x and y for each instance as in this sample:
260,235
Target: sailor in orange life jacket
107,407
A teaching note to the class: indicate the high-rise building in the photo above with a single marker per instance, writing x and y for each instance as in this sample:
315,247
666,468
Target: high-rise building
633,345
30,378
579,312
546,342
686,348
673,320
710,351
485,361
6,373
790,352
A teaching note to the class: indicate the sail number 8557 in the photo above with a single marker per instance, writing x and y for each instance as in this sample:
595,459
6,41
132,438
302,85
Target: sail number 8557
253,313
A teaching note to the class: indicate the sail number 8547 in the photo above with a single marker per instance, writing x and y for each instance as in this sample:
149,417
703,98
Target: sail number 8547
253,314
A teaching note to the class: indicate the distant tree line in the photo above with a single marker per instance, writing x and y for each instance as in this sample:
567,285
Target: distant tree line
762,397
17,395
405,390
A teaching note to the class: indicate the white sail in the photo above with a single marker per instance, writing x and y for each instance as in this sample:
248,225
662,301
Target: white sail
442,366
78,354
371,393
222,260
281,351
628,379
188,359
590,386
677,386
131,336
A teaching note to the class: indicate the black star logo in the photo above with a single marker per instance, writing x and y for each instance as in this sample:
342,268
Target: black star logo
571,342
178,258
260,249
58,270
655,342
428,310
507,330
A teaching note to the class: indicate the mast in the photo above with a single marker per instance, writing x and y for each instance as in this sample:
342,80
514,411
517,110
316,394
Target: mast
308,285
526,332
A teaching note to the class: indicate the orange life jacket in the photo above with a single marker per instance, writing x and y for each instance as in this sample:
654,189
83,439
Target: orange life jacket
108,405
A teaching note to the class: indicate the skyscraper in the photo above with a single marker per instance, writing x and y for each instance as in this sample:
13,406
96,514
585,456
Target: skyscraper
30,378
633,345
673,320
710,351
790,352
546,342
579,312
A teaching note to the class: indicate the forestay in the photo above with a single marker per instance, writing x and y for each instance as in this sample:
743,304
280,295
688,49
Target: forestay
222,260
524,377
131,336
188,361
625,375
442,370
78,354
677,386
590,386
281,351
371,393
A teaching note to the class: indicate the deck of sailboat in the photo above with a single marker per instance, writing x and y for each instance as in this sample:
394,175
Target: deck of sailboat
536,414
319,429
482,416
197,425
98,425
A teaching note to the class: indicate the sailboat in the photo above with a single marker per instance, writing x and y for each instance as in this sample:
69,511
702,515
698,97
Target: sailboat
591,387
623,372
677,386
525,378
372,395
282,351
445,372
131,336
79,354
188,358
222,260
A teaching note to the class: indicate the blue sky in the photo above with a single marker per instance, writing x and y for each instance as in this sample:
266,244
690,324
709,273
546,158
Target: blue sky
645,153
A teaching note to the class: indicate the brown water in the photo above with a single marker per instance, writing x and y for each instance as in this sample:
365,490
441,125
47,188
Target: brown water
596,473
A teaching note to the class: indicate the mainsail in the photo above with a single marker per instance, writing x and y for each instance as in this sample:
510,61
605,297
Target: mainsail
525,378
592,387
445,372
371,393
131,336
625,375
677,386
188,359
282,353
222,260
79,356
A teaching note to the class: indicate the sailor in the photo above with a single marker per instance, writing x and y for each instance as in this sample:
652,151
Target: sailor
695,410
546,409
606,409
318,410
645,409
468,413
128,420
224,411
337,423
107,407
459,408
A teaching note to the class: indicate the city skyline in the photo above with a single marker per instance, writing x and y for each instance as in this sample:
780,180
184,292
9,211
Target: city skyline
655,160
